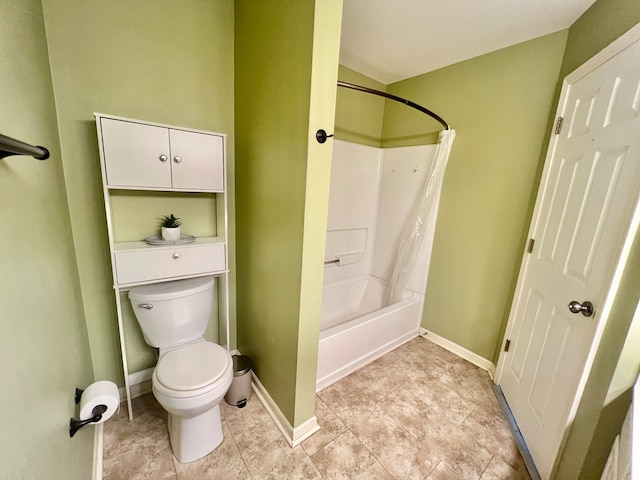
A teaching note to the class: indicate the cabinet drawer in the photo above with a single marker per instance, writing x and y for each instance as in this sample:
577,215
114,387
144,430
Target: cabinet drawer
146,264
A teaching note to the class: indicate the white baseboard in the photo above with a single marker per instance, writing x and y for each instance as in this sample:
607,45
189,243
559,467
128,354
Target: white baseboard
294,436
98,449
462,352
139,384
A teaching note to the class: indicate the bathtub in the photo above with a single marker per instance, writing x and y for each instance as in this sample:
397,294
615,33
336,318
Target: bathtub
355,329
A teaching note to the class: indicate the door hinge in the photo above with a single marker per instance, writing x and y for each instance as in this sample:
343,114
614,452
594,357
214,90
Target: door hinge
507,344
530,246
559,125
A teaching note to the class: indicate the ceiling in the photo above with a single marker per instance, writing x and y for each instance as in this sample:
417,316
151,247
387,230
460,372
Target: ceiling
390,40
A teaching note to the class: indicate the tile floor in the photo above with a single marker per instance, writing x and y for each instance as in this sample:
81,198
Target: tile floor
419,412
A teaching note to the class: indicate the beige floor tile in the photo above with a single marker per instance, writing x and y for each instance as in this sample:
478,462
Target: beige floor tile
459,451
442,400
425,354
418,412
442,353
408,411
410,370
473,384
139,449
337,390
391,444
252,427
279,461
500,470
330,428
224,462
438,436
374,381
443,472
492,431
346,458
512,457
354,404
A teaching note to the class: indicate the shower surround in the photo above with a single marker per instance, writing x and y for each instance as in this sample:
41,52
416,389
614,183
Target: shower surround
372,194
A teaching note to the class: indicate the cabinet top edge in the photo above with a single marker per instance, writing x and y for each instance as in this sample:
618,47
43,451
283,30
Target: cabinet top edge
98,116
142,245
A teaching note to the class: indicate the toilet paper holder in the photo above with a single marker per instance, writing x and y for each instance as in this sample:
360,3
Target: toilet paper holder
75,424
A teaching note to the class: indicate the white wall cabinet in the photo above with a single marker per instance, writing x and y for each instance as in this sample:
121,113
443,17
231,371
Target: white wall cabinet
140,156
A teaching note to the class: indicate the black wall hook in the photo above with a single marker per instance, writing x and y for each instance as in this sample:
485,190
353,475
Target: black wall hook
321,136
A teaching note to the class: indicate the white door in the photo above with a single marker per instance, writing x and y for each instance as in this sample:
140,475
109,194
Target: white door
584,210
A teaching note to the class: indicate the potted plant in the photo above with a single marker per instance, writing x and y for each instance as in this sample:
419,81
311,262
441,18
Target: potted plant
170,228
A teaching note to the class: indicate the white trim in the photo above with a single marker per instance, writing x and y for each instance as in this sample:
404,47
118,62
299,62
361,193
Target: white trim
294,436
635,432
607,53
141,376
462,352
98,449
139,384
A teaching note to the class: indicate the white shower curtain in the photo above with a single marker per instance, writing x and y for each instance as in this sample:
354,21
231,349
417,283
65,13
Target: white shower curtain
417,236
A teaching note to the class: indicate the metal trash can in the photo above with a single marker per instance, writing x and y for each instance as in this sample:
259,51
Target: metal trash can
240,389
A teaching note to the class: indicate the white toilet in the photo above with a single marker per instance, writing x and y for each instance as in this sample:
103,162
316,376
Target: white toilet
192,375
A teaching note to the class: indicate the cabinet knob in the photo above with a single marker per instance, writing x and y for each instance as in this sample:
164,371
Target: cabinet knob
163,158
176,255
177,159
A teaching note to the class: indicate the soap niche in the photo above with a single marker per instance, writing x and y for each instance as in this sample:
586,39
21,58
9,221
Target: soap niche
136,214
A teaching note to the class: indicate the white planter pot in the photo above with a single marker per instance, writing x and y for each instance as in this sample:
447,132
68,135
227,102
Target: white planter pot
171,234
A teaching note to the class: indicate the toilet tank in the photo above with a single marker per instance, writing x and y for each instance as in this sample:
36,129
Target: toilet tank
173,313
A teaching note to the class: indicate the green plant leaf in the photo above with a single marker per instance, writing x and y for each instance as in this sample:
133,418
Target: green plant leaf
170,221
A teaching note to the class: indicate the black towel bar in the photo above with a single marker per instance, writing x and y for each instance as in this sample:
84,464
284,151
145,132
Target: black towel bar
11,146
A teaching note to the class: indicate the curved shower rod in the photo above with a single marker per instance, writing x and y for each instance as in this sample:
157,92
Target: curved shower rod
397,99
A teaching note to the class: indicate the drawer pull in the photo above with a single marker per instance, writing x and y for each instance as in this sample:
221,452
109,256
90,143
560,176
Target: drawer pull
176,255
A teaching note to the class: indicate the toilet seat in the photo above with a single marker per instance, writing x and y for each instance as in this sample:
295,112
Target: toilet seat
191,370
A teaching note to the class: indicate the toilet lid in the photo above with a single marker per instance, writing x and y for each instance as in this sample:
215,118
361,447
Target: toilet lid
192,367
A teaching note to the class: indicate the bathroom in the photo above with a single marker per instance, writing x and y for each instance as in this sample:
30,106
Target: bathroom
60,249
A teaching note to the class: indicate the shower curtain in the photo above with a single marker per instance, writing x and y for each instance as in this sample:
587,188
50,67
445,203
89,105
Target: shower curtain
417,237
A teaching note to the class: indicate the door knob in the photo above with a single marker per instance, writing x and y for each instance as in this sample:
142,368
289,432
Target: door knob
585,307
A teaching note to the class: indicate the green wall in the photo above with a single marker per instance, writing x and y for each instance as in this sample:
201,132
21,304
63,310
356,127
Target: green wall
44,346
278,263
605,21
499,104
600,25
160,61
359,115
324,73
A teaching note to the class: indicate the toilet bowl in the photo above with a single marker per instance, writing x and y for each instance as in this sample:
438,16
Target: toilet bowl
192,375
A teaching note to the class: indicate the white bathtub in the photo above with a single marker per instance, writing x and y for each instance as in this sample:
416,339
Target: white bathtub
355,330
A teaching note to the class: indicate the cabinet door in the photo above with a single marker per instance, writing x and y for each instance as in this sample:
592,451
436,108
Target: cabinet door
135,155
197,161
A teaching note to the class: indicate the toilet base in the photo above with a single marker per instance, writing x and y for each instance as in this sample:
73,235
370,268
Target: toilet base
195,437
